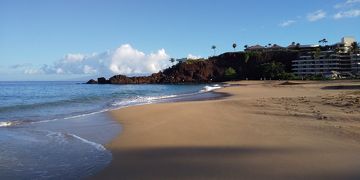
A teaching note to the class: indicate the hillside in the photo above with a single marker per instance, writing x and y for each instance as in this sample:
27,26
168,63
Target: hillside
225,67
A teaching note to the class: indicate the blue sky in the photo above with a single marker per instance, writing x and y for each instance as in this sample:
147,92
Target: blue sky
65,39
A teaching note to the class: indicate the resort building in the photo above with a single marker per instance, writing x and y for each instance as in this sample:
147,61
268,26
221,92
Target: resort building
328,60
259,48
355,64
315,63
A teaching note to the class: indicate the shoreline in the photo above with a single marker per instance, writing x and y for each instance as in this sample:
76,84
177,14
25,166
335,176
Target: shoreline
253,133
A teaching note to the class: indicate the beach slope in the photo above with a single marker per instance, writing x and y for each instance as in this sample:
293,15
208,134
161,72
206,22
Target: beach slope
264,130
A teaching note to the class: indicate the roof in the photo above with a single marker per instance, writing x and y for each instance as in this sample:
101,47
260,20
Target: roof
309,46
275,46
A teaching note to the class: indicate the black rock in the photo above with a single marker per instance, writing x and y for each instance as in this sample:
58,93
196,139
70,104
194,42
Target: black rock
91,81
102,80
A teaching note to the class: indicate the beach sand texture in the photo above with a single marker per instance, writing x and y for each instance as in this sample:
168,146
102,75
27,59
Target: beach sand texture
264,130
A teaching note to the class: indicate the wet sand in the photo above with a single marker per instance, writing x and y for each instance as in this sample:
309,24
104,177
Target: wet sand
264,130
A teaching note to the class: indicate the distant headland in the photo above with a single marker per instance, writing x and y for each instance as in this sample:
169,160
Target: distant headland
336,61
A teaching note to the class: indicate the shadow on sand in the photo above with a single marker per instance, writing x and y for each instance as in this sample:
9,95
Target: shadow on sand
217,163
342,87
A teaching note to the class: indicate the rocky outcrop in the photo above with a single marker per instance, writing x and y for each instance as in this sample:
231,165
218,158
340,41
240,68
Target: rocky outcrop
102,80
91,81
245,64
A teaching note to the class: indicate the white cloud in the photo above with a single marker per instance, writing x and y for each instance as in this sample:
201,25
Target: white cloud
348,3
347,14
124,60
31,71
287,23
127,60
21,66
317,15
190,56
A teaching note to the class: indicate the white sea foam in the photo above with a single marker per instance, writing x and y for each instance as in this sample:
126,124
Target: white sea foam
71,117
87,114
96,145
44,121
6,124
210,88
141,100
62,137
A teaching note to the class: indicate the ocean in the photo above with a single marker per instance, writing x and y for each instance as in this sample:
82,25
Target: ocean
57,130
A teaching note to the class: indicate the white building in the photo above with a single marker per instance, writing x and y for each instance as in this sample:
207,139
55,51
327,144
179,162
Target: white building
347,41
339,59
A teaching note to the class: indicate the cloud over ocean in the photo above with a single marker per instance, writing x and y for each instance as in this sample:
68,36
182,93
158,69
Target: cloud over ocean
123,60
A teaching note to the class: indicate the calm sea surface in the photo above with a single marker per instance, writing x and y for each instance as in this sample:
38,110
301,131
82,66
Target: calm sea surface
56,130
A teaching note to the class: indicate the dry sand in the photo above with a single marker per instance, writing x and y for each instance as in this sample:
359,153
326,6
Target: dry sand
264,130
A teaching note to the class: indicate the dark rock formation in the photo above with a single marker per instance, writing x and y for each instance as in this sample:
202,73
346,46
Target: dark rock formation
103,80
91,81
246,65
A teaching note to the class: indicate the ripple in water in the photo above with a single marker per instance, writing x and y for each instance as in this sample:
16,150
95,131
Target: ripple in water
49,155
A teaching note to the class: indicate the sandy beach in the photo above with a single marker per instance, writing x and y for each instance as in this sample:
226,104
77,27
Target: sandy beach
263,130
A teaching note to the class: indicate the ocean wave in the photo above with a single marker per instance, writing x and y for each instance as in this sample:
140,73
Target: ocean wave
62,138
116,104
4,124
96,145
87,114
139,100
210,88
57,103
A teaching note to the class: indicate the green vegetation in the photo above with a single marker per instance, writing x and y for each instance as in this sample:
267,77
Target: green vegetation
230,73
172,60
317,53
317,77
274,70
323,41
192,61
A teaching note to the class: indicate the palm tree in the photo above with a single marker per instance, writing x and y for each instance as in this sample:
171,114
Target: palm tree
213,47
323,41
234,46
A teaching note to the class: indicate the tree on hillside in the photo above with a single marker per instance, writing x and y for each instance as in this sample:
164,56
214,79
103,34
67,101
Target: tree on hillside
213,47
323,41
172,60
246,46
273,70
234,46
230,73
